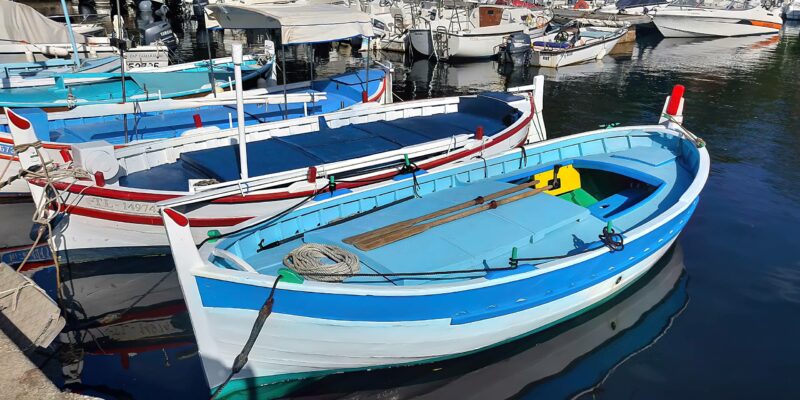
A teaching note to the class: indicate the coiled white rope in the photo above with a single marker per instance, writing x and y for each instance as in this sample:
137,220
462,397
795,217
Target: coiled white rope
315,261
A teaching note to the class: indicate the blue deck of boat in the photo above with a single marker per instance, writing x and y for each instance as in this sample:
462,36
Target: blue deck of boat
171,84
540,225
490,111
341,90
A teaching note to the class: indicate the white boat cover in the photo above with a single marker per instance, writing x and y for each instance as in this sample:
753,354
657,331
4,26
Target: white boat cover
311,23
21,23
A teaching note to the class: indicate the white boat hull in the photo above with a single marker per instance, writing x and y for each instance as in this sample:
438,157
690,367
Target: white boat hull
462,45
136,57
715,23
301,346
96,228
561,58
16,210
111,222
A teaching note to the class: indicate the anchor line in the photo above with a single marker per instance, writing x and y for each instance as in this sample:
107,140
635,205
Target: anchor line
258,325
50,195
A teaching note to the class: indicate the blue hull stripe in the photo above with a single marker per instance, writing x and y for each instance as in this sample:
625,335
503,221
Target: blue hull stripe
463,307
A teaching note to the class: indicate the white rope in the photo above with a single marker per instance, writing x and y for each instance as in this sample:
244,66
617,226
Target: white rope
15,292
43,215
316,260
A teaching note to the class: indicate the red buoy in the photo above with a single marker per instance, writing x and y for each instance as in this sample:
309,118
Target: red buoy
479,133
312,174
675,100
65,154
198,123
99,179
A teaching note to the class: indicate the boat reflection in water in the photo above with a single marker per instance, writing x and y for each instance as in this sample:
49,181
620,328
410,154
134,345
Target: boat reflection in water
129,336
128,332
703,56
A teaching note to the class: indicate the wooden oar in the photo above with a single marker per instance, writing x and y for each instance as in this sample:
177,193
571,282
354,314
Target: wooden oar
458,207
374,242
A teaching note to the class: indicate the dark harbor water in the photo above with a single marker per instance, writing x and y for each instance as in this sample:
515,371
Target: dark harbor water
717,318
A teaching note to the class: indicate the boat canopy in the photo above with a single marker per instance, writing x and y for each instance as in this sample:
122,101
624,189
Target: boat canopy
312,23
21,23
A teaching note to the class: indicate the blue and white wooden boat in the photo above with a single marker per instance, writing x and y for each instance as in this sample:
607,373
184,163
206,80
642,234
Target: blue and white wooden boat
465,281
160,119
181,80
278,165
42,73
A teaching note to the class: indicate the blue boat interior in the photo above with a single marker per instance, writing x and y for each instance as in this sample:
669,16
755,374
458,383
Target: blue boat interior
44,69
139,86
490,111
625,181
342,91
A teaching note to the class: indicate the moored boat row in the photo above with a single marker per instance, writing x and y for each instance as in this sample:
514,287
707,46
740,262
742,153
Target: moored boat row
319,227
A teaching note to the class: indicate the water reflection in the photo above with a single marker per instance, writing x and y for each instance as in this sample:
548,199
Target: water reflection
128,332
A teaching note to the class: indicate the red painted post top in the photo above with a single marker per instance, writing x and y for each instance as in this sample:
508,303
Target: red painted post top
675,100
479,133
99,179
312,174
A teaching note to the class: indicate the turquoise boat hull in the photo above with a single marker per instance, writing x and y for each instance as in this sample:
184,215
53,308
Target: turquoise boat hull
139,86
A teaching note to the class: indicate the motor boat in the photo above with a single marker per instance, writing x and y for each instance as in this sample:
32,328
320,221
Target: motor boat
573,45
476,31
716,18
631,7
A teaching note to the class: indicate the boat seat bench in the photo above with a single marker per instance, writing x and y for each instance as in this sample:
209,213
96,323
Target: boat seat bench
560,226
462,244
327,145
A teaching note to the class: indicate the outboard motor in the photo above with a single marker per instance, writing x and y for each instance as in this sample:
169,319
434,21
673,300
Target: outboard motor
198,10
517,49
159,31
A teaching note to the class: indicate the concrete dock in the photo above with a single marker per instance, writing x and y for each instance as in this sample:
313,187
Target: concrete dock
22,379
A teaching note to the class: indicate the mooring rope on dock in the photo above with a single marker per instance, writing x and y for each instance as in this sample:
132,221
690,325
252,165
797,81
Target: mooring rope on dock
50,198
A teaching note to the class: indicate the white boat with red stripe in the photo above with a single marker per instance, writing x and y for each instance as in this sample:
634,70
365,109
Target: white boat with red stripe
219,183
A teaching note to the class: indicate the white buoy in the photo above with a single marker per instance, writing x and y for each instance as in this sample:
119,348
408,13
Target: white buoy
237,73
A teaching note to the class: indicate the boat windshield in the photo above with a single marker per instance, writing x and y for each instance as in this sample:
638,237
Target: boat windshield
715,4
